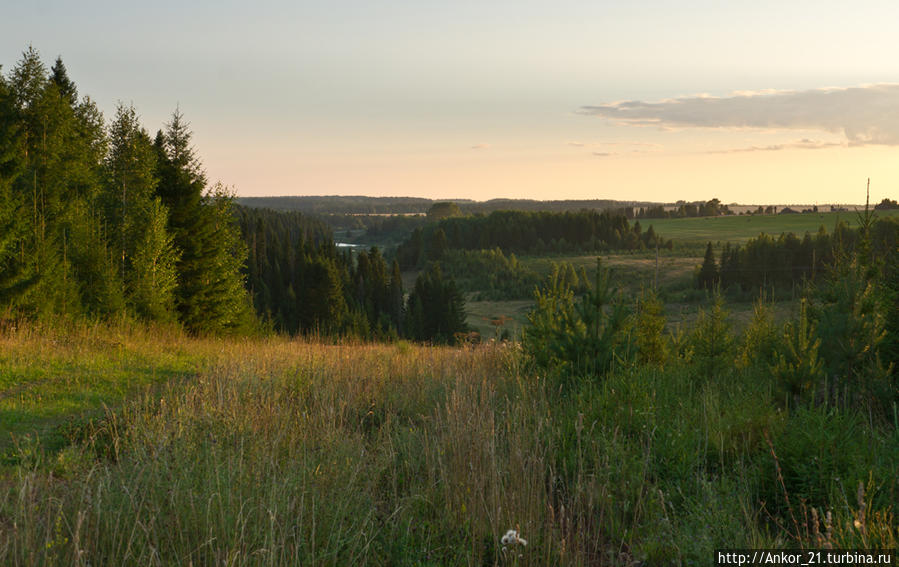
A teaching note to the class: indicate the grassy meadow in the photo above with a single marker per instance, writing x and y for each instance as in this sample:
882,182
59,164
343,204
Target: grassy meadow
740,228
278,452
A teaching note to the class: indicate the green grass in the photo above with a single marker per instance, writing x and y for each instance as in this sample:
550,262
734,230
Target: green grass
284,452
50,380
739,229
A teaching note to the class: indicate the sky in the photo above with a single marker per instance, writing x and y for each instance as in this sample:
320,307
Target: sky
749,102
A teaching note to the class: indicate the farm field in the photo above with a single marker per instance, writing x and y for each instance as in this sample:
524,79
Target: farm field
739,229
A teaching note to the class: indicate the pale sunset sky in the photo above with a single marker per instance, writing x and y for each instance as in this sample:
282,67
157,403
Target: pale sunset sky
751,102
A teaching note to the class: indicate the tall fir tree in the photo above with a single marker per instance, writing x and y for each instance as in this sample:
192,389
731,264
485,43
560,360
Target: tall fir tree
708,273
436,310
60,77
14,275
64,142
210,296
137,219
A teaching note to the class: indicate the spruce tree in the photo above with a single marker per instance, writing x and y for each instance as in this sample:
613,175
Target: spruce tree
60,77
436,310
153,279
63,144
708,273
137,219
395,306
14,276
210,296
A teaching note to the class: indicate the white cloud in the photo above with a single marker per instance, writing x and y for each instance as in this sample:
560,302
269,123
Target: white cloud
864,115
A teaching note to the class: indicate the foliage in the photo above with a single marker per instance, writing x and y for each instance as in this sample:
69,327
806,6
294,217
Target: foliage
15,278
850,309
798,368
210,296
444,210
531,232
436,308
102,221
379,293
583,337
886,205
766,262
711,341
650,340
708,276
154,278
712,208
492,274
761,340
294,450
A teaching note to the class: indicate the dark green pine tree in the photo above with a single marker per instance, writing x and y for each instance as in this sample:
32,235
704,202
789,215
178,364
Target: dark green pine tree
60,77
210,295
322,306
64,142
15,278
436,310
708,273
395,306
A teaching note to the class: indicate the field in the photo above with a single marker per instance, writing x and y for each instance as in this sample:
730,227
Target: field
274,452
739,229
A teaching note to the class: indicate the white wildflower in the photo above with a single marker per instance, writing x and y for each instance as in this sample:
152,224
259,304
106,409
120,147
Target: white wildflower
512,538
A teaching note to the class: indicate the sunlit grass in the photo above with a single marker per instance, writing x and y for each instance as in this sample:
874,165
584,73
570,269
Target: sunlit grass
283,452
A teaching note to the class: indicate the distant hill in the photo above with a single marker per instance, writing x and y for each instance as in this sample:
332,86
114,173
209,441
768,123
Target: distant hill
360,205
355,205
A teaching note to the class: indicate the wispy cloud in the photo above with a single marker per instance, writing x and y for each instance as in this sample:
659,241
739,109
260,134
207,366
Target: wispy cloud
804,144
480,146
864,115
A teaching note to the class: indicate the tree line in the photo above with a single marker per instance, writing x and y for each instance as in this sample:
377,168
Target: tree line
361,205
526,232
766,262
104,219
711,208
301,282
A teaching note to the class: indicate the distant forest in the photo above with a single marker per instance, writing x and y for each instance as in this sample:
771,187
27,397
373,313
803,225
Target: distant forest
526,232
359,205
